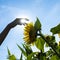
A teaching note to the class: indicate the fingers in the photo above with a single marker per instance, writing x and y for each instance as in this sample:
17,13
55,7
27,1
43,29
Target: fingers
18,21
24,23
26,19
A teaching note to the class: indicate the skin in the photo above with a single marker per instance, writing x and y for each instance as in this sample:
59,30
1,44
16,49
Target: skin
11,25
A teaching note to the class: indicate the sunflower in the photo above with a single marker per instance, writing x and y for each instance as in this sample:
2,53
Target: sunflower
29,33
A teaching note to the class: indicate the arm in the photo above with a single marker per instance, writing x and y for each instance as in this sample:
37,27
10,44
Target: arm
5,32
11,25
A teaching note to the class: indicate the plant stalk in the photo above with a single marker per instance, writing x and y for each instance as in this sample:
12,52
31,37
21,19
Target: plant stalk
49,44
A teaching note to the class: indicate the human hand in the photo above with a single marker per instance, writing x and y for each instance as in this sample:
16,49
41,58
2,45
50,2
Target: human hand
17,21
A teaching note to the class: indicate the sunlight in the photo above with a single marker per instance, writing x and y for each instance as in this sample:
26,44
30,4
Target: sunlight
25,18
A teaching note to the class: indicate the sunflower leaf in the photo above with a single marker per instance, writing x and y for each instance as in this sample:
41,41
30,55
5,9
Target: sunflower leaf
22,50
27,49
8,52
37,24
21,57
54,57
46,45
40,44
29,57
56,29
12,57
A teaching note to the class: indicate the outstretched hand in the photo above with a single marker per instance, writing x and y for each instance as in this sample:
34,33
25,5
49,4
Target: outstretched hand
17,21
4,33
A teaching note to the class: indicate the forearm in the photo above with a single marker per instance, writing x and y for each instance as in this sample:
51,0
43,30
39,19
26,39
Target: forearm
4,33
8,27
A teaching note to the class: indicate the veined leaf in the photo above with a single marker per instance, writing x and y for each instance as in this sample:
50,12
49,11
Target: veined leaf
40,44
56,29
37,25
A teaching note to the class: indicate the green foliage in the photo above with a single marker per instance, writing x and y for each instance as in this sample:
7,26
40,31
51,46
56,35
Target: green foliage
41,42
37,25
50,39
22,50
8,52
10,56
30,57
46,45
21,57
56,29
27,49
54,57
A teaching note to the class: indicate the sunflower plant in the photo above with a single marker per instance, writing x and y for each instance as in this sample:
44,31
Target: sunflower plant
33,36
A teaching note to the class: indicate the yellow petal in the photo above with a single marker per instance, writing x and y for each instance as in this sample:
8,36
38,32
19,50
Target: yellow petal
26,36
26,30
26,33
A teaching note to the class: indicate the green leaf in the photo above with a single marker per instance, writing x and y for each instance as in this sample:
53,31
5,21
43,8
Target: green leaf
29,57
27,49
37,25
58,49
46,45
21,57
40,44
42,57
54,57
56,29
22,50
12,57
8,52
59,35
50,39
49,52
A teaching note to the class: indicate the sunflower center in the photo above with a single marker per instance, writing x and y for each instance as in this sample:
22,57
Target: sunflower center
30,33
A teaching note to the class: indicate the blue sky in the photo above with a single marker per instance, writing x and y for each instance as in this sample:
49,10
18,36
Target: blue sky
48,11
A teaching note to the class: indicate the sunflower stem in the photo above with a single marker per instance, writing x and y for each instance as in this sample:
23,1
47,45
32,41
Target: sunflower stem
49,44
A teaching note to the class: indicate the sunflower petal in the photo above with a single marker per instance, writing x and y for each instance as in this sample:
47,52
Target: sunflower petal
29,34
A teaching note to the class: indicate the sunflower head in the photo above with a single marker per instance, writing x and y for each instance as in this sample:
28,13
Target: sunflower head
29,33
